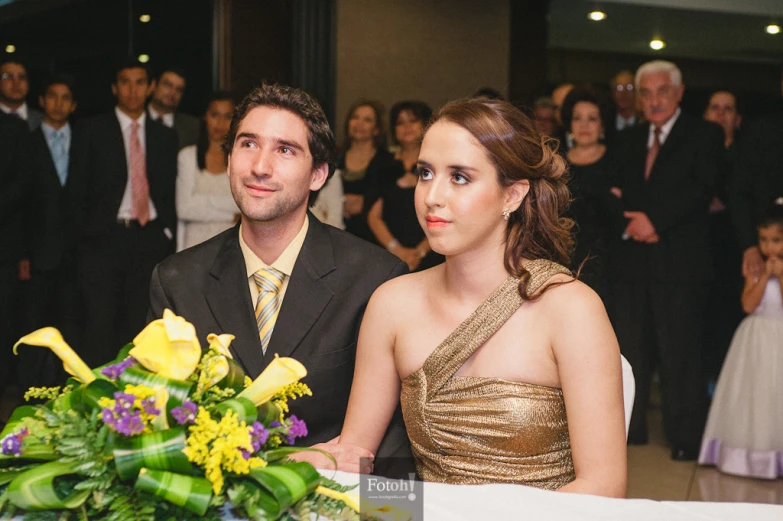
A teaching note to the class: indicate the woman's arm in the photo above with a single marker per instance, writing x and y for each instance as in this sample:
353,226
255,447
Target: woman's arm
754,290
409,256
588,362
192,206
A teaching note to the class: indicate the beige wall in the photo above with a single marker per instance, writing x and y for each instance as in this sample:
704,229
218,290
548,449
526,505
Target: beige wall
430,50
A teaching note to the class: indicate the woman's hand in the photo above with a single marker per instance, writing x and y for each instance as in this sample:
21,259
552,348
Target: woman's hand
354,205
350,458
409,256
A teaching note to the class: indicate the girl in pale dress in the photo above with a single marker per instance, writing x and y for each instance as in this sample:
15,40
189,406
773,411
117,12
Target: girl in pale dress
744,433
205,206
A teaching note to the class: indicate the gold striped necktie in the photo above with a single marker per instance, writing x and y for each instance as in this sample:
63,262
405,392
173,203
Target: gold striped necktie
269,282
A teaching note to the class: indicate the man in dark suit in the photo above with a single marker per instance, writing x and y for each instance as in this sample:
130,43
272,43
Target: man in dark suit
120,204
308,283
757,182
14,184
165,100
661,269
14,87
49,287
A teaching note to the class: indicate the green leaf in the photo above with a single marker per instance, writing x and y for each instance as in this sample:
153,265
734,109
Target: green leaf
35,490
161,450
193,493
244,409
285,484
178,390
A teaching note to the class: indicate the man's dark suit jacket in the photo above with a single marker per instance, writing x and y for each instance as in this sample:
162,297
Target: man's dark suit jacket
676,198
47,204
331,283
758,177
99,174
34,119
187,128
14,185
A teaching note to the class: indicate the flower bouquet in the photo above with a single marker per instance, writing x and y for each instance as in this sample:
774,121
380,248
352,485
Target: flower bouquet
166,431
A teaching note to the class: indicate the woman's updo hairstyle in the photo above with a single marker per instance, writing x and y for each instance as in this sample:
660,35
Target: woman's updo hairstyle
537,229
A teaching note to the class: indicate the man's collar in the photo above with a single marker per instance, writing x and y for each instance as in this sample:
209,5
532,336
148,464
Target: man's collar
285,262
126,120
22,110
48,130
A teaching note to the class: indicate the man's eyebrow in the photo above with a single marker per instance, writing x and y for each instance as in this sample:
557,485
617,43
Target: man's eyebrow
276,140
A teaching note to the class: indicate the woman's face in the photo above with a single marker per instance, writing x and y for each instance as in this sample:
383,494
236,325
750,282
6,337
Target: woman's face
363,125
771,241
218,119
459,202
586,124
408,128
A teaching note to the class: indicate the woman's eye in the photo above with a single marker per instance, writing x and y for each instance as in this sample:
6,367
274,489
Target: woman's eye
459,178
424,174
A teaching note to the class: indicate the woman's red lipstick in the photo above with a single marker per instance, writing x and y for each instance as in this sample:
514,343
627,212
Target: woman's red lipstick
436,222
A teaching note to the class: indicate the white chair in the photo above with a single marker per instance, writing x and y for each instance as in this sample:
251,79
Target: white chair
629,392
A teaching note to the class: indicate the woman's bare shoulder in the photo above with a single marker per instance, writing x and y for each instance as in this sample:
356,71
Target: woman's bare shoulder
406,288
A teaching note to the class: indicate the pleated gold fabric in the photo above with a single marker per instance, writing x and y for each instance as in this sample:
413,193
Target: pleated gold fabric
476,430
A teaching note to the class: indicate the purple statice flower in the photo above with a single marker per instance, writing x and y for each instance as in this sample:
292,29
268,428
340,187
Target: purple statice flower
148,404
245,453
298,429
275,424
123,401
258,436
107,415
113,372
12,444
130,423
186,413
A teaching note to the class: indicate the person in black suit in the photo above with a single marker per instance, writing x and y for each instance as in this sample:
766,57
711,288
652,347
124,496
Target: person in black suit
757,182
120,204
14,184
14,87
661,269
50,287
166,97
280,151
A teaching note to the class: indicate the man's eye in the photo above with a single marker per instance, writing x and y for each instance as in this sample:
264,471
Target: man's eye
286,150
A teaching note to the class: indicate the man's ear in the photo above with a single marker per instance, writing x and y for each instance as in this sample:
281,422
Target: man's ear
515,194
114,89
320,173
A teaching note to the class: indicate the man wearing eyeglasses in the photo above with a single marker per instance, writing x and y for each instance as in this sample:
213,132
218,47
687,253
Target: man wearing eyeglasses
624,99
14,86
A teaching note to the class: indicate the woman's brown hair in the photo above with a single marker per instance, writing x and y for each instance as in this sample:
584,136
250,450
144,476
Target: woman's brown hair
537,229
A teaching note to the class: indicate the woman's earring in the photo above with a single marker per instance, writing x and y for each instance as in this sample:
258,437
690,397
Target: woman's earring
506,214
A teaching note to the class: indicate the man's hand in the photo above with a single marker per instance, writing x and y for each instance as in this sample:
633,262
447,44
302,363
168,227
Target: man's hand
752,263
348,457
24,270
640,228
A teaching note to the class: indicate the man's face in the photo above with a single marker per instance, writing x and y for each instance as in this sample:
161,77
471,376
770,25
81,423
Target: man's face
545,120
623,92
660,98
131,89
722,109
168,91
57,104
13,83
270,166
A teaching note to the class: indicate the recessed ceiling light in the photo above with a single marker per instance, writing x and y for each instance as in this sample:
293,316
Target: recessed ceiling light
657,45
145,18
144,58
10,49
773,29
596,16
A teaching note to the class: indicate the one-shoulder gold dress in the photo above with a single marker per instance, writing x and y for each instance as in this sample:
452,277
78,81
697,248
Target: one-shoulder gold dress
473,430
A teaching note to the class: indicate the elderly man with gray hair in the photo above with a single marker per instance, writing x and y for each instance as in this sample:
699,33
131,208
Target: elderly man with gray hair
661,265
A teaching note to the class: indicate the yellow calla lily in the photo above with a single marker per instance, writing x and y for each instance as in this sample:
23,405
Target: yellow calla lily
168,346
220,343
51,338
279,373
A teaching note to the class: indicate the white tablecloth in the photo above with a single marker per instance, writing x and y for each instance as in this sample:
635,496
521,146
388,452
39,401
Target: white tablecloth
480,502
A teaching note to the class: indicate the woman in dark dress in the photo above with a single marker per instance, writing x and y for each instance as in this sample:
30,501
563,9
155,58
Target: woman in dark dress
594,207
392,217
364,155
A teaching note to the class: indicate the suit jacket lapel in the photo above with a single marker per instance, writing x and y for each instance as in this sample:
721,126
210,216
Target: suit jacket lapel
307,294
228,297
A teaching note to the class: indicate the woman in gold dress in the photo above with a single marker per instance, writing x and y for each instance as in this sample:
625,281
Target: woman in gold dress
506,367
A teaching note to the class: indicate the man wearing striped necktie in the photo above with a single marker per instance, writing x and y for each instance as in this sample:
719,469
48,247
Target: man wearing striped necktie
281,281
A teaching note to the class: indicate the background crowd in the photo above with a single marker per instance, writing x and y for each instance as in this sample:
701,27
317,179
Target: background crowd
665,212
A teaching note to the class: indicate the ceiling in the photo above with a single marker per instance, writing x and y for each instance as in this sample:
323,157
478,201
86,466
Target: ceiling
696,32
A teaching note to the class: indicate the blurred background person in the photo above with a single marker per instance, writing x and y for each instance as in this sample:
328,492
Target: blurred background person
205,206
364,155
14,87
594,208
544,116
558,97
392,217
624,98
164,104
489,93
329,205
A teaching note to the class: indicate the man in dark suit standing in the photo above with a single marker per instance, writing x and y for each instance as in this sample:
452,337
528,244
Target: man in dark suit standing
757,182
165,100
120,204
14,87
14,184
661,269
281,281
49,287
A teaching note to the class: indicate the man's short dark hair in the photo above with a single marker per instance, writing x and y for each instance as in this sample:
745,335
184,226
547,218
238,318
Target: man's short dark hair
320,138
7,60
59,79
420,110
130,62
174,70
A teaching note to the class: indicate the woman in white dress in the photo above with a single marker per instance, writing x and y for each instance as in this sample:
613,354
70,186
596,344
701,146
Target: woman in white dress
205,206
744,434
